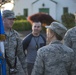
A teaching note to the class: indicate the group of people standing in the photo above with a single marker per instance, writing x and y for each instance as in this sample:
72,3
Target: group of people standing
36,55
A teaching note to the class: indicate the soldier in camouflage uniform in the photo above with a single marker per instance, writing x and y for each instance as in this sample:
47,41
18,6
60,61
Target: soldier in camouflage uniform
70,39
15,58
54,58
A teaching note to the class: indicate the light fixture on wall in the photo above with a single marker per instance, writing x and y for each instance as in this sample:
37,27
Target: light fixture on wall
43,5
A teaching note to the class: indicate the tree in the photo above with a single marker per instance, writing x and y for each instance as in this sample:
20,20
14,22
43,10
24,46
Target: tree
3,2
68,19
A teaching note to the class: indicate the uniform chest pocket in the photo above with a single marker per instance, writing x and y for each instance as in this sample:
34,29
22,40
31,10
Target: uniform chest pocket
13,42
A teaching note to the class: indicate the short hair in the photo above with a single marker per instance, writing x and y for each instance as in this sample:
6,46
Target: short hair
37,23
58,36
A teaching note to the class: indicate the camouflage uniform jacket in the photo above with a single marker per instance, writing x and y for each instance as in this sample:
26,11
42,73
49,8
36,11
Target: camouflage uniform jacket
54,59
70,38
13,40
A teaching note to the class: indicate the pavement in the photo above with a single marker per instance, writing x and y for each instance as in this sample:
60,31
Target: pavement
23,33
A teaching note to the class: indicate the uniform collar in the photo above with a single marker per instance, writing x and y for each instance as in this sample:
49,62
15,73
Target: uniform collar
55,42
9,33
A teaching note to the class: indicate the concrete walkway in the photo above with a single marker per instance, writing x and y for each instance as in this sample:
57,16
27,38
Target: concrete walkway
23,33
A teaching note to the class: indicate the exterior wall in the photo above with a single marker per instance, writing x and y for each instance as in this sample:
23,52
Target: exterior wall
34,8
49,4
20,5
68,3
55,10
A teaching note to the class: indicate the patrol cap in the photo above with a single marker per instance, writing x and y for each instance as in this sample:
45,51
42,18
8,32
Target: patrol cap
58,28
8,14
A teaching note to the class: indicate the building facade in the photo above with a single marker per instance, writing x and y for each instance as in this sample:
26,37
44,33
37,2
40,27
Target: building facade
55,8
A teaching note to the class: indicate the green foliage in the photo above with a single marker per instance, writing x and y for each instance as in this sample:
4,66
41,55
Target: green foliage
21,17
21,25
68,20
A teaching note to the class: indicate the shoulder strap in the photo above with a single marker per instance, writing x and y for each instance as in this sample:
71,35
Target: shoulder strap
26,41
16,54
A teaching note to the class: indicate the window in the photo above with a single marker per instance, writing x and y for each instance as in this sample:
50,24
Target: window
45,10
25,12
65,10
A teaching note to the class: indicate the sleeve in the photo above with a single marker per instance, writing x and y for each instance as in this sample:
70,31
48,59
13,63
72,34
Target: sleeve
26,41
25,44
21,55
67,39
73,65
39,65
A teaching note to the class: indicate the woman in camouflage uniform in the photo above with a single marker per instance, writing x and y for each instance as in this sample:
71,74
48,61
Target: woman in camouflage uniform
55,58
